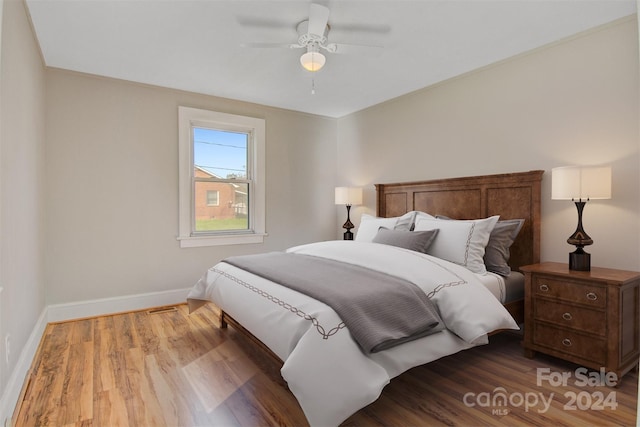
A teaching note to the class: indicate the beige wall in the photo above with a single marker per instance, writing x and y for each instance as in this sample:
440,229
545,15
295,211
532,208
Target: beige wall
111,156
112,186
22,207
575,102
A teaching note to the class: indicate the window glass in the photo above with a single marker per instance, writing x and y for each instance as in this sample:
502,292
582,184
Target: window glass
220,153
213,197
221,178
229,213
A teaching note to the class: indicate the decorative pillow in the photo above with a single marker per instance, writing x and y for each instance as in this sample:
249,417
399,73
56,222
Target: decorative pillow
460,241
497,254
408,220
369,226
417,241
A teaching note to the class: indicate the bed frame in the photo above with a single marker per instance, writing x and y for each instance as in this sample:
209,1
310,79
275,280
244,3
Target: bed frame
511,195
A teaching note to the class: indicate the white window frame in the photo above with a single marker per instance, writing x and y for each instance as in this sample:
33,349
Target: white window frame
188,118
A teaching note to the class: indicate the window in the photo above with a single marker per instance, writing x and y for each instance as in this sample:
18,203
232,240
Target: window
212,198
221,178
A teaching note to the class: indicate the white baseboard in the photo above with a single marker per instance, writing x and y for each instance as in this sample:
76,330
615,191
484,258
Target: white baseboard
16,380
70,311
100,307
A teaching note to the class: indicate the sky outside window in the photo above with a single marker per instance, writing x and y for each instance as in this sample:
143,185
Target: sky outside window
222,153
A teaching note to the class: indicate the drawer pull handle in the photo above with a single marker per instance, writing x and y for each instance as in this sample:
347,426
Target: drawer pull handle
592,296
544,288
566,316
566,342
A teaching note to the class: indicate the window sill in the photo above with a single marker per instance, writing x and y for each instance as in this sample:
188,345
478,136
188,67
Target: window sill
234,239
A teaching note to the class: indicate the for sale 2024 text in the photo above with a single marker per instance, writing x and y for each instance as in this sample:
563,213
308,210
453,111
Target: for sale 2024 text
582,377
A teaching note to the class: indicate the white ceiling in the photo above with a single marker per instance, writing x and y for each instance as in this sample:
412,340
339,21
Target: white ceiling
197,45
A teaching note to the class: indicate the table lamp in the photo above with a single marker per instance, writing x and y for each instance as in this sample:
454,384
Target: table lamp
348,196
580,184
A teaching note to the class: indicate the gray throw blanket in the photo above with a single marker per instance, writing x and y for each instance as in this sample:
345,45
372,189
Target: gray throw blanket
379,310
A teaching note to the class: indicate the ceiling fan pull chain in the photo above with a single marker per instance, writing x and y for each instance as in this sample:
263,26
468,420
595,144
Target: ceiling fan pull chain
313,86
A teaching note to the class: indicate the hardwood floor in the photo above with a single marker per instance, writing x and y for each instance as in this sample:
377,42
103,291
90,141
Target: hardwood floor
169,368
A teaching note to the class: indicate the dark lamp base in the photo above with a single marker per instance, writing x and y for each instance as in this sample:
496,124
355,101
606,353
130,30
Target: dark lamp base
580,260
348,235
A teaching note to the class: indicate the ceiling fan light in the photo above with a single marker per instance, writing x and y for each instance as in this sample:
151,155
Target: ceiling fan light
312,61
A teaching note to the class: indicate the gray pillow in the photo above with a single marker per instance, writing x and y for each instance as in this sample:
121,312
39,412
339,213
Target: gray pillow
418,241
496,254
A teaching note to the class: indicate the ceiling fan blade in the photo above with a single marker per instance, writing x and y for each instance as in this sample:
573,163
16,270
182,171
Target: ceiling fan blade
360,28
273,45
318,19
249,21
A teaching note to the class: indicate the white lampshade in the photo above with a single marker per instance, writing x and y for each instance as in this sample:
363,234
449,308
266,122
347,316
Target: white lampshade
348,196
312,60
581,183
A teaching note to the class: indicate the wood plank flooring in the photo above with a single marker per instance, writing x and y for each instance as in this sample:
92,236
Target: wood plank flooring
169,368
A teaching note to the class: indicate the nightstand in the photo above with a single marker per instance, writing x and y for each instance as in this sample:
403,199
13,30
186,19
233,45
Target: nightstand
590,318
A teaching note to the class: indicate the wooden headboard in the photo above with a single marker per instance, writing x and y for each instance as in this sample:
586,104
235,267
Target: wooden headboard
510,195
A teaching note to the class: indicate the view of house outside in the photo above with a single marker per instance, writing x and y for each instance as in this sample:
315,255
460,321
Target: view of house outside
221,193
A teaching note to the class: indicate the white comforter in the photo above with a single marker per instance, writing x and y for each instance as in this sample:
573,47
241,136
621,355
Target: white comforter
323,366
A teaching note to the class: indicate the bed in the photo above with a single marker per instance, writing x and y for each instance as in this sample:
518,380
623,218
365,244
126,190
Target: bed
325,363
512,196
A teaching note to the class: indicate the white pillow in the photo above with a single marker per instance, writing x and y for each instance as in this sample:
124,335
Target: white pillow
369,226
460,241
408,220
420,214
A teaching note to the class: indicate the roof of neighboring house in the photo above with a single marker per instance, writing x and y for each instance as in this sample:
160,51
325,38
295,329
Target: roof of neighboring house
208,172
213,175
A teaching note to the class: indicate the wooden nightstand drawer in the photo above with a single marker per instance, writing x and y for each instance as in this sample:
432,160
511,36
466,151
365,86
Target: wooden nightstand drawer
569,316
581,293
566,341
586,317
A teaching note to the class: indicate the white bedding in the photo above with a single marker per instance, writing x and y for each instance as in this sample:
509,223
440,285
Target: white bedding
325,369
495,283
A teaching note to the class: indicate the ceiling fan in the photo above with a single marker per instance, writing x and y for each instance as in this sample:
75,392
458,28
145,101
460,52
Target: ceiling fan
313,37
